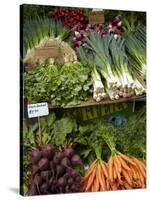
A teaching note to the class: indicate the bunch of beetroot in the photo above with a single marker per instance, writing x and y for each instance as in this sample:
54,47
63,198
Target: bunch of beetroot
69,18
54,171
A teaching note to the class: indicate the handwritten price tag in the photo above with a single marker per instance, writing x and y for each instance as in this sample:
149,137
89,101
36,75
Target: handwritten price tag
38,110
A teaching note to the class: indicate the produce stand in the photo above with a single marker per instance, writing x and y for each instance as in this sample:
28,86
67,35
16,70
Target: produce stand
84,100
91,102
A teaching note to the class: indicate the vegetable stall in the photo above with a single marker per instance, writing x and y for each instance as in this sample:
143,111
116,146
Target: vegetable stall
91,72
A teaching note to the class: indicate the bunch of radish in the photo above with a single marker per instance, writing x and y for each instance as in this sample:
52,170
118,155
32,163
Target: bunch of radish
54,171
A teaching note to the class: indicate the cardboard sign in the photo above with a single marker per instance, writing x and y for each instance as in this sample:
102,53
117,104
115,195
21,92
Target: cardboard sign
47,52
38,110
96,17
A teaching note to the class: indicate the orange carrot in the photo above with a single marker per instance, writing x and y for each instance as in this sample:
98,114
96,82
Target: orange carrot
104,168
90,180
123,163
140,167
90,170
100,177
118,163
97,185
116,169
110,169
127,177
127,159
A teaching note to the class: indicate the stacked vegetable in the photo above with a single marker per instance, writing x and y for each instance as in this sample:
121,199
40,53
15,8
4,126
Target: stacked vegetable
54,171
108,56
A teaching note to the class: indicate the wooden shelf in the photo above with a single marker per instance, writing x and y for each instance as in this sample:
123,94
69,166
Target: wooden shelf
92,102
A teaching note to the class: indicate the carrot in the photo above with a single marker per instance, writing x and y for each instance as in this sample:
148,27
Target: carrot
94,185
134,174
142,171
127,177
118,163
114,172
107,184
142,179
90,180
100,177
104,168
127,159
110,169
97,185
116,168
123,163
114,186
89,172
127,186
143,165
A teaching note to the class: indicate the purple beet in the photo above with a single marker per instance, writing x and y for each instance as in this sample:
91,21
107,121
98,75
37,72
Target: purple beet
44,188
65,162
35,156
43,164
61,181
76,160
33,190
69,152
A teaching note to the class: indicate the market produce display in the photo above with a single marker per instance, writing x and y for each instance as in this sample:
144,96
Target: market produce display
115,61
68,63
115,156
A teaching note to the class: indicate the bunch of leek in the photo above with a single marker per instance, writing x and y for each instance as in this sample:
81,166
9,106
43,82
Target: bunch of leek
98,86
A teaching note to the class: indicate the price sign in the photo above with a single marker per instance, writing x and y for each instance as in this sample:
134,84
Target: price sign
38,110
96,17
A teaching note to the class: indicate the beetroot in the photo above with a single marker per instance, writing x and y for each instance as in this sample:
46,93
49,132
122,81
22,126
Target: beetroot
48,147
35,156
78,178
61,181
67,189
43,164
70,181
69,152
75,160
65,162
45,175
32,190
57,158
59,170
44,188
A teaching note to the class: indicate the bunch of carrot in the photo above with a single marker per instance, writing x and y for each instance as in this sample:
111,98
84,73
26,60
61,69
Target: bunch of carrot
96,178
126,173
121,172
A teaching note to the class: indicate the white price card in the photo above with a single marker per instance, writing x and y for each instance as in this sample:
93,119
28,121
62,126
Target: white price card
38,110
